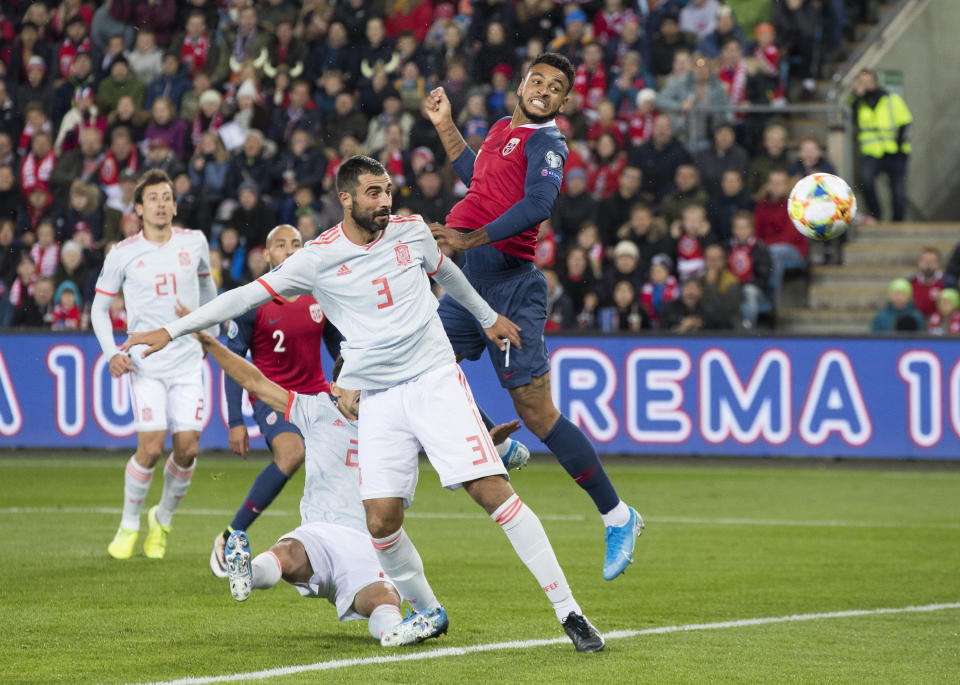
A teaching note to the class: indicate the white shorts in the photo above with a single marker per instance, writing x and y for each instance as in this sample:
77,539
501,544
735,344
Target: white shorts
435,411
174,404
343,561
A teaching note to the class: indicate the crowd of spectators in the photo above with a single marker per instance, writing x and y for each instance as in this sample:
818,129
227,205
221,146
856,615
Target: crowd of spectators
928,301
249,107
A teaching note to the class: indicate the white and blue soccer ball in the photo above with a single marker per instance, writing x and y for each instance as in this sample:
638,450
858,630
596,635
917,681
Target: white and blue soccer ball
822,206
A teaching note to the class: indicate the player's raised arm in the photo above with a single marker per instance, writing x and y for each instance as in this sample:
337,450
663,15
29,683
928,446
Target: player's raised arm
437,107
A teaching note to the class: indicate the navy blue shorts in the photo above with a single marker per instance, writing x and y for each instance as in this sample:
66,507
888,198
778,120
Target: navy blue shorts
272,423
523,300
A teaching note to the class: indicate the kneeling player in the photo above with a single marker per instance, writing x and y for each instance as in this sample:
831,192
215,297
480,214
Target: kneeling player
329,555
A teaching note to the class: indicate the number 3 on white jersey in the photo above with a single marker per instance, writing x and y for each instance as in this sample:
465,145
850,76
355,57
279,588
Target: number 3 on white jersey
278,336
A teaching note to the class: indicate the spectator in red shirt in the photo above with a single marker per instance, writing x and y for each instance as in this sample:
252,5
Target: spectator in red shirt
66,313
606,123
788,248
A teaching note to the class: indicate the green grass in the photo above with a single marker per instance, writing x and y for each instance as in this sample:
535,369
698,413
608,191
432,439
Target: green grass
722,543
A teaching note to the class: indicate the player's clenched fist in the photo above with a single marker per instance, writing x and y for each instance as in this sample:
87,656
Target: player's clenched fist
120,364
437,106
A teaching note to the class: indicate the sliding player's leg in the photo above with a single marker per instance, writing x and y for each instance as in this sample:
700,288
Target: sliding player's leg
286,444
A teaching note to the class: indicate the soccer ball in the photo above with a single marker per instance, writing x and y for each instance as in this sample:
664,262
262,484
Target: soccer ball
821,206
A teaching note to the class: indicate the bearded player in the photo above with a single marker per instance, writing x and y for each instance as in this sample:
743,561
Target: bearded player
284,338
513,182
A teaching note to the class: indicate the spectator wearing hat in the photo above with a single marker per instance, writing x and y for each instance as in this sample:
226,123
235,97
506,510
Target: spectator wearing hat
252,219
81,76
660,288
946,319
640,121
27,45
120,82
72,266
36,88
250,109
899,313
208,116
84,114
66,312
171,83
575,35
626,267
159,156
574,207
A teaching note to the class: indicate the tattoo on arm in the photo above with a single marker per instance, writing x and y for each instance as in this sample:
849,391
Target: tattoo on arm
452,141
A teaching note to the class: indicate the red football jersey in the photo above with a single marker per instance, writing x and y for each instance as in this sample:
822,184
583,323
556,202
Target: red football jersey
500,176
286,344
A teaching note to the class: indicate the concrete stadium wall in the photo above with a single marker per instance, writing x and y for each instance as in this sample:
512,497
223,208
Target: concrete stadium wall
928,52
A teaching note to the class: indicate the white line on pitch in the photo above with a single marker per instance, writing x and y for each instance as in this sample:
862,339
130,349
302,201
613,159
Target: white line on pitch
680,520
526,644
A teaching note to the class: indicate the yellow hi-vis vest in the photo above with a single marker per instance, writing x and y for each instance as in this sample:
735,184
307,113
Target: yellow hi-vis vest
879,126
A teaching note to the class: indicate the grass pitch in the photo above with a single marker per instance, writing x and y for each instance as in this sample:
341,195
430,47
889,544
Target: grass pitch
722,543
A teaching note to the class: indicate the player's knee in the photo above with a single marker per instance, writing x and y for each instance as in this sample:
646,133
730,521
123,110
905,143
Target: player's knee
294,564
383,521
538,417
289,454
184,454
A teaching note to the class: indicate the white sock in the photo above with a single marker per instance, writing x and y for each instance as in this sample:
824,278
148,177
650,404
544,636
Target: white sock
266,569
136,483
176,481
503,447
618,516
401,562
382,619
529,539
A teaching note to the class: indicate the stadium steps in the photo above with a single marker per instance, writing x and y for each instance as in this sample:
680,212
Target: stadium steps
842,299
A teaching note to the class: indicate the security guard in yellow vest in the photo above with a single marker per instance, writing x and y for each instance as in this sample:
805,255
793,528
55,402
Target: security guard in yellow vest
883,121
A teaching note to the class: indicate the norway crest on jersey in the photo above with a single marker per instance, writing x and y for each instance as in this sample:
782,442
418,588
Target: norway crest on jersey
403,255
510,146
316,313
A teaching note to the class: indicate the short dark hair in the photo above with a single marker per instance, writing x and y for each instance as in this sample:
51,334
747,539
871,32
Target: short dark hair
151,178
557,61
348,175
337,368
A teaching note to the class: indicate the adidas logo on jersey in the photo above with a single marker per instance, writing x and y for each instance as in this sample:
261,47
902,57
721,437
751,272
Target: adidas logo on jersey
343,270
140,264
338,422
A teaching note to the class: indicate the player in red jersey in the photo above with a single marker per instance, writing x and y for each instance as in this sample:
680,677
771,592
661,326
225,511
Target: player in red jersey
513,183
284,338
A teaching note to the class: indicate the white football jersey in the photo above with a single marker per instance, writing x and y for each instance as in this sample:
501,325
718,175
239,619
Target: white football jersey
153,277
331,491
378,295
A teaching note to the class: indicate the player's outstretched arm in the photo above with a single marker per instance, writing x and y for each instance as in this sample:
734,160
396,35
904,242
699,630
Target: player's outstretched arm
227,306
496,327
245,374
